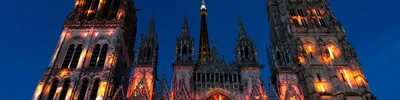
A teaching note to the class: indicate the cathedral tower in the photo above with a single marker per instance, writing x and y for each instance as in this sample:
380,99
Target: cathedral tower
142,82
204,47
93,55
310,57
183,64
247,60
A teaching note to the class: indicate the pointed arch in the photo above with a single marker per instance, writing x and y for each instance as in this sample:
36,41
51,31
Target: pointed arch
68,56
75,58
185,53
53,89
95,88
95,54
103,55
218,91
246,53
148,53
332,50
65,88
83,89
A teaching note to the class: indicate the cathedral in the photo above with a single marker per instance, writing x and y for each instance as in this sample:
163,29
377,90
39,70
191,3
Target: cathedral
309,58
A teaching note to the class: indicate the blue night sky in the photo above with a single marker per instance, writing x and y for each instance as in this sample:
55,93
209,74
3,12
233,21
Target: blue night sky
30,30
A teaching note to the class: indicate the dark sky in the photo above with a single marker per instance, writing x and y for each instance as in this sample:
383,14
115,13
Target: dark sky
30,30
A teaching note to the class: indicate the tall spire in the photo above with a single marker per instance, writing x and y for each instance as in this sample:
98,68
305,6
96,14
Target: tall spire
203,5
242,32
185,27
204,47
150,32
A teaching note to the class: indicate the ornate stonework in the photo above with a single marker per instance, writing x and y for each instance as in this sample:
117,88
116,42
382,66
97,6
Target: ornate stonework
94,53
309,57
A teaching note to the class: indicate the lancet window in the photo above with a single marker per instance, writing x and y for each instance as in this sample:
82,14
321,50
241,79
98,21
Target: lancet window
53,89
65,89
82,93
95,88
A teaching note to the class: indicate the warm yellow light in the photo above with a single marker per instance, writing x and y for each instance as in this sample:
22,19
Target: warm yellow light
63,72
326,59
38,90
120,14
69,93
359,79
149,81
309,48
101,91
100,4
110,61
298,19
292,98
301,59
321,86
77,3
58,90
90,11
347,78
330,49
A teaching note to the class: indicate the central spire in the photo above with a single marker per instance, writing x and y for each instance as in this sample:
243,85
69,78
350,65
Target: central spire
204,47
203,5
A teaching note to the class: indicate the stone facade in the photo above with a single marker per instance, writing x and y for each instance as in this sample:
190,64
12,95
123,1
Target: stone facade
309,57
211,77
93,56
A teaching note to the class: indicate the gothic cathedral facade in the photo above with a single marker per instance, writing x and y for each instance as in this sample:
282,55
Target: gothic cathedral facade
310,57
93,56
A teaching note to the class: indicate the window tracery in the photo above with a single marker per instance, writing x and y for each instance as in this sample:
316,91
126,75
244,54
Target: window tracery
53,89
95,88
83,89
64,90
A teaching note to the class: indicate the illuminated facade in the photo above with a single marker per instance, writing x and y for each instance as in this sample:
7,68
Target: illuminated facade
210,77
93,56
309,57
144,76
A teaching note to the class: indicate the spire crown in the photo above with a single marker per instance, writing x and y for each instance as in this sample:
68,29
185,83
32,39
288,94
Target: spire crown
185,27
241,27
150,32
203,5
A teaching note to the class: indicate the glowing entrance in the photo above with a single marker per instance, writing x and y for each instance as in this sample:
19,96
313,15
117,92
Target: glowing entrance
218,96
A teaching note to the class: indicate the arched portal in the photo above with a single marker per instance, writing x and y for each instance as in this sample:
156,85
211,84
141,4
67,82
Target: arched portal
218,96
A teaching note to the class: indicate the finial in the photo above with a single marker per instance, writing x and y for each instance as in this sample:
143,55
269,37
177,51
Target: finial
241,26
203,5
151,26
185,27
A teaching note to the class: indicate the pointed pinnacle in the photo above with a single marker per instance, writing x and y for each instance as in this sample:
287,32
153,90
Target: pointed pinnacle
241,26
151,26
185,27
